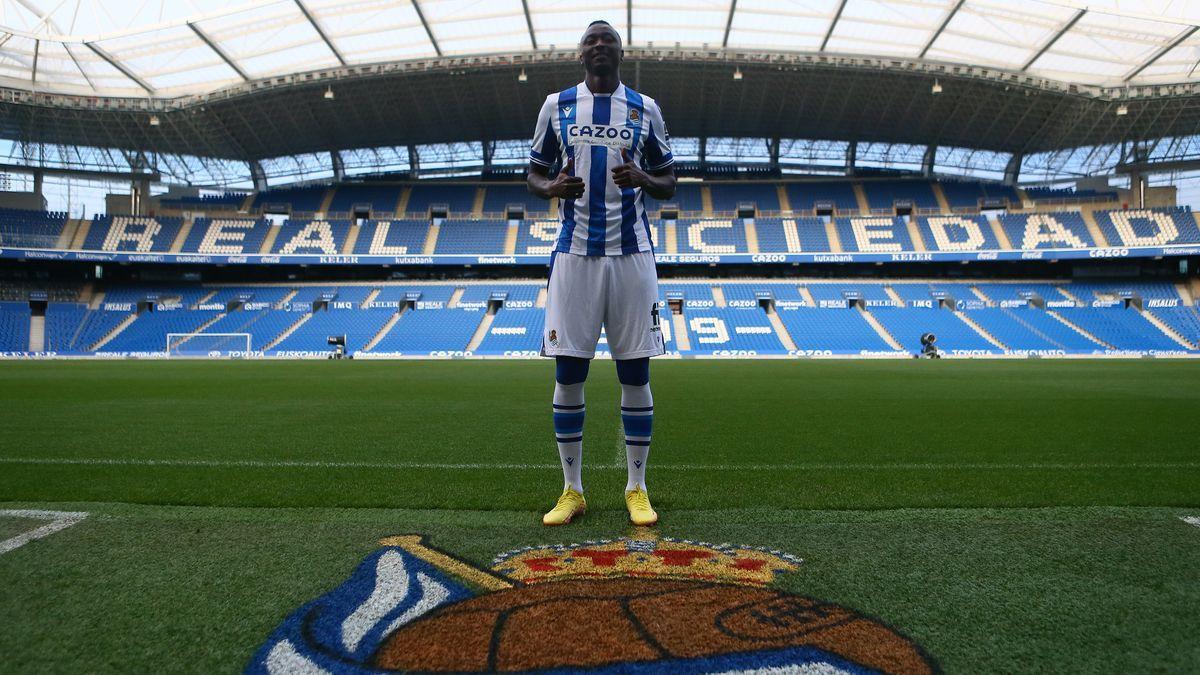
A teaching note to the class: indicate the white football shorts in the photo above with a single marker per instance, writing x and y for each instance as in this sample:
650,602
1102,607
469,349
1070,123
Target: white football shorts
618,292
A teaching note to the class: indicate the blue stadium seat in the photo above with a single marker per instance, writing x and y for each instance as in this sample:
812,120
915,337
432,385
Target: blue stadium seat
132,233
804,197
907,324
358,325
380,199
236,236
879,234
305,199
472,237
64,320
957,233
14,326
712,331
392,237
711,235
1122,328
1148,227
839,331
460,199
726,197
499,196
1046,230
514,331
325,237
883,194
791,235
32,229
428,331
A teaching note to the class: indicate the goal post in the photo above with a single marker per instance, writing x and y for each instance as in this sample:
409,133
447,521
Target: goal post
208,345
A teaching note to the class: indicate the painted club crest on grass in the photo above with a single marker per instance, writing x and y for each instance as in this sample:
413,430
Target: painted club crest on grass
626,605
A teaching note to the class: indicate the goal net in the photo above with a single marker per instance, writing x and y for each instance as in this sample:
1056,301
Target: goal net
208,345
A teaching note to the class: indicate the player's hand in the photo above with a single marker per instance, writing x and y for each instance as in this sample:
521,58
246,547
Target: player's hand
566,186
628,174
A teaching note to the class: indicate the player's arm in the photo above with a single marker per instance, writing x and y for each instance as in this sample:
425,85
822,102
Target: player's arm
563,186
544,152
658,184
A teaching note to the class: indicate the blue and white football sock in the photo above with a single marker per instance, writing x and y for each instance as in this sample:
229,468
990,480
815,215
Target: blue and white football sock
570,374
568,428
637,416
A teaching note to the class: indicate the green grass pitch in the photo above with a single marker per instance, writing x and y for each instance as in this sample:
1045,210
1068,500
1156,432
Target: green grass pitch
1005,515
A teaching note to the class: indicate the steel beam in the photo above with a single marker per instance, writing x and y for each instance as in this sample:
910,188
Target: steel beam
1158,54
1054,38
938,33
729,22
220,52
312,20
428,31
528,22
833,24
120,66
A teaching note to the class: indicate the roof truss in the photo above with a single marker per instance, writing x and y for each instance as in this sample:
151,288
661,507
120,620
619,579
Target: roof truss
312,20
220,52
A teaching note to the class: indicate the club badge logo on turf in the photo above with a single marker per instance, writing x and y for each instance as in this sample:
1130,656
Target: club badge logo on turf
631,605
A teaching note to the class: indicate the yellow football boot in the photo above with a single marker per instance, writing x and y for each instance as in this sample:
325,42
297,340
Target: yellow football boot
570,504
640,511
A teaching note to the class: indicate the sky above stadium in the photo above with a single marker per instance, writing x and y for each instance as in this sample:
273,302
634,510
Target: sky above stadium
169,48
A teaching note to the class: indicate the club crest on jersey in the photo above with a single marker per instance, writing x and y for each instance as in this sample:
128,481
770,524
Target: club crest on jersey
671,605
635,117
600,134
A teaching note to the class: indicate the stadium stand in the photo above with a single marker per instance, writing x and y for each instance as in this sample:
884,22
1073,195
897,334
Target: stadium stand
500,195
838,331
35,229
311,236
233,236
537,236
430,331
226,201
514,331
380,200
719,235
142,234
907,325
14,326
64,320
727,197
886,194
1121,328
973,194
459,199
148,333
302,199
957,233
804,197
485,237
791,235
874,235
392,237
1148,227
1046,230
732,330
359,326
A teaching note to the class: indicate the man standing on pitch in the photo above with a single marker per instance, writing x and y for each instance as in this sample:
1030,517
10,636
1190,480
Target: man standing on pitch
602,267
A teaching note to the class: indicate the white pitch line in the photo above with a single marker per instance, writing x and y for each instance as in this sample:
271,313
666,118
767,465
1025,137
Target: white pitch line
1191,520
816,466
59,520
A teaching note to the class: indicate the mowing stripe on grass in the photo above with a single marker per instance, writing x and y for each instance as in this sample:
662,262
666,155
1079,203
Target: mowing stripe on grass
59,520
816,466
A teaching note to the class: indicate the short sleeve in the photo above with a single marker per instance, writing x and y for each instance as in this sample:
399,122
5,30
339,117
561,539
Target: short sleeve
544,150
657,148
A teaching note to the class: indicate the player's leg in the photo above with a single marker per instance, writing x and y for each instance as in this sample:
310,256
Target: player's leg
634,335
637,418
573,320
570,373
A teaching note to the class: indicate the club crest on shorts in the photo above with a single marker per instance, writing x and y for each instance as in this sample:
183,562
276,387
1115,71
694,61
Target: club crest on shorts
552,338
661,604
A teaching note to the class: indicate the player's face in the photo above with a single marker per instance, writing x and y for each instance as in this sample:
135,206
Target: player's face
600,50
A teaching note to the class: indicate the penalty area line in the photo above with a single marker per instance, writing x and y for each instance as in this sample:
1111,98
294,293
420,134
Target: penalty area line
450,466
59,520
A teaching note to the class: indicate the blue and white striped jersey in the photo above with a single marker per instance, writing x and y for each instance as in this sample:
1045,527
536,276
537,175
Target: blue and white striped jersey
593,129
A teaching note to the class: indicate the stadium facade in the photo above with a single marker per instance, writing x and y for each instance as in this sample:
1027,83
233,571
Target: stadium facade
840,198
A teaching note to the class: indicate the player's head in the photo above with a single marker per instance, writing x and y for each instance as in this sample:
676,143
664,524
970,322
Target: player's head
600,49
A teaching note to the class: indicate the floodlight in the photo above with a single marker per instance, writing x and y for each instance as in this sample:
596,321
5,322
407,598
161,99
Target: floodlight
154,120
937,87
329,93
737,74
522,77
1122,110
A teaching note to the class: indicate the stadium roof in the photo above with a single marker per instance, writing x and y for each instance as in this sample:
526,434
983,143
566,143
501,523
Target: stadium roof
245,79
167,48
